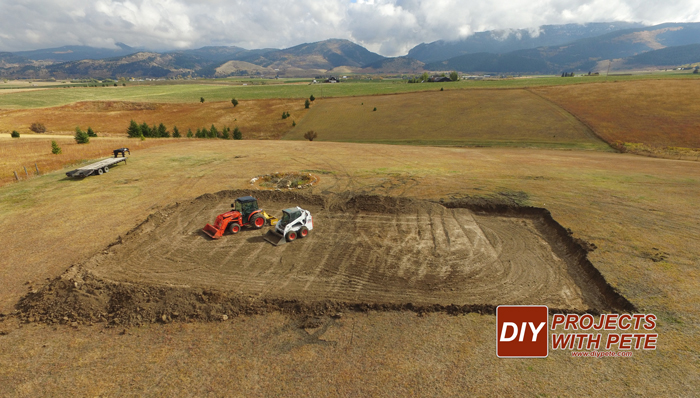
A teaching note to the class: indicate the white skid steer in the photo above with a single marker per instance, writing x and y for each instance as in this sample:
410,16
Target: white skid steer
295,224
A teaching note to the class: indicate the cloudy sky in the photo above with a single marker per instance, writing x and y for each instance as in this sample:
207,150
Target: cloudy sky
389,27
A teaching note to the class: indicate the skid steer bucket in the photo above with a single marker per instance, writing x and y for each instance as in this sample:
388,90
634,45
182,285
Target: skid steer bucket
274,237
212,231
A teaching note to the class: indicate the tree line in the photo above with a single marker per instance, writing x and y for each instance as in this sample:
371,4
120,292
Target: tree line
143,130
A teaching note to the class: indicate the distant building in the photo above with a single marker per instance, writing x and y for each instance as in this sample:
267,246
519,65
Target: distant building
439,79
331,80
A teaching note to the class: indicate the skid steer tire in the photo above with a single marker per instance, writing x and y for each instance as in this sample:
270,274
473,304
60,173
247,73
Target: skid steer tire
234,228
303,232
291,235
257,221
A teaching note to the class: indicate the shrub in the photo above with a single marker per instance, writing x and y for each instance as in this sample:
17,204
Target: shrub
237,135
15,134
55,149
442,89
312,98
375,109
310,135
294,123
176,132
38,128
201,100
307,104
234,102
91,132
81,137
284,115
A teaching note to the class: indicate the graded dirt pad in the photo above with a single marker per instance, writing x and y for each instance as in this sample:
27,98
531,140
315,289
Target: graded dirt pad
365,252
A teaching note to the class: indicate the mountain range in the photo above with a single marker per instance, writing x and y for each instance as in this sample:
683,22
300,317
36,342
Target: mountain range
548,49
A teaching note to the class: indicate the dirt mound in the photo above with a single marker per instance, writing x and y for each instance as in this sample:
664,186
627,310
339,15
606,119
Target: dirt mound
287,180
364,253
97,106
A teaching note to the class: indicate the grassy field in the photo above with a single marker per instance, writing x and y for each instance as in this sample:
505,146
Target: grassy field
658,114
188,92
257,119
632,208
459,117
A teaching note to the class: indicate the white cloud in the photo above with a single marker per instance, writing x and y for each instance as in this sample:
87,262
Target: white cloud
390,27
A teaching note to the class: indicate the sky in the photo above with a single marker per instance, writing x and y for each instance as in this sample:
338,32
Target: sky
388,27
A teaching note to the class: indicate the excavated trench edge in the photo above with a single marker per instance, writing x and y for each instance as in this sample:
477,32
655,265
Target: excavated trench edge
78,297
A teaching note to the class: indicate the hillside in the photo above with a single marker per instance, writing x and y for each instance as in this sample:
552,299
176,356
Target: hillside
670,56
395,65
503,41
581,55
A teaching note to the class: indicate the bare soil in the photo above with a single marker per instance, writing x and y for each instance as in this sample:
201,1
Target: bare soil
364,253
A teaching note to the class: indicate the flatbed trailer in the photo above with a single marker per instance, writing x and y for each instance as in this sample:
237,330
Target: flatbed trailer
95,168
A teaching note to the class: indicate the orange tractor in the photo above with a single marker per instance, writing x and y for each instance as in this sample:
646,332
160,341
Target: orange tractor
245,213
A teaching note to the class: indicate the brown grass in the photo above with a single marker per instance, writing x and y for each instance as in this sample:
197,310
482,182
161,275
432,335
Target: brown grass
630,207
660,114
35,152
457,117
257,119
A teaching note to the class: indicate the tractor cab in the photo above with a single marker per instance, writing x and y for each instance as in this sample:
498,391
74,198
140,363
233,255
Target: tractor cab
245,205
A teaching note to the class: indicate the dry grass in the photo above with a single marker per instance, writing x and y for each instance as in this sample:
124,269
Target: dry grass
257,119
630,207
35,152
458,117
659,114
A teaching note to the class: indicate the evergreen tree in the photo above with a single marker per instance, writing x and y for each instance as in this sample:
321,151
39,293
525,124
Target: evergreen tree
81,137
237,135
312,98
176,132
162,131
234,102
201,100
134,131
189,133
91,132
306,104
201,133
55,149
225,133
213,132
145,130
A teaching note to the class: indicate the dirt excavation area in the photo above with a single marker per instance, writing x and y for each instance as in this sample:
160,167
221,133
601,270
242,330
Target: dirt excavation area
368,252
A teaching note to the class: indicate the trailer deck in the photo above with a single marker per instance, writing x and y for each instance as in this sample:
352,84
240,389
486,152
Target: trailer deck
95,168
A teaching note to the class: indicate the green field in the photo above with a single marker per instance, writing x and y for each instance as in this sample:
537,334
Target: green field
224,90
449,118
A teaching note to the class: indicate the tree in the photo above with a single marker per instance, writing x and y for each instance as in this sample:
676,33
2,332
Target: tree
213,132
134,131
695,71
201,133
307,104
91,132
15,134
38,128
201,99
237,135
425,76
189,133
294,123
225,133
145,130
284,114
176,132
375,109
81,137
454,76
162,131
234,102
310,135
55,149
312,98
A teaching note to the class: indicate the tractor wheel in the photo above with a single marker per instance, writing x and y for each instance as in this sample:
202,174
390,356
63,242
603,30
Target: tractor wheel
303,232
291,235
257,222
99,171
234,228
106,169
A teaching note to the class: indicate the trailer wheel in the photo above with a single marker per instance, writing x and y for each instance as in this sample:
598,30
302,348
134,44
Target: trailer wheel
303,232
233,228
99,171
291,235
257,221
106,169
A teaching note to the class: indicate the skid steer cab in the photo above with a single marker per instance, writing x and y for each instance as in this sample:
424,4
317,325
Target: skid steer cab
245,213
295,224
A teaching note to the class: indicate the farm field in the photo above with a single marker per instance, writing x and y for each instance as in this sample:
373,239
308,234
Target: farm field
257,119
658,114
224,90
640,213
459,117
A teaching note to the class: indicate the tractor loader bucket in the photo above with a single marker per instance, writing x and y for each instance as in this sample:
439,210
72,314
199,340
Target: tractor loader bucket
274,237
212,231
270,220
